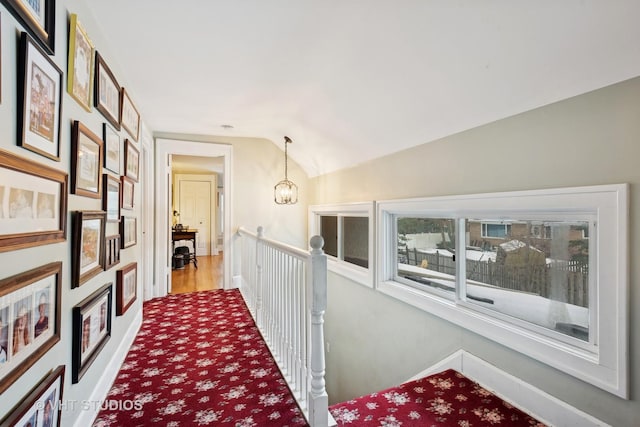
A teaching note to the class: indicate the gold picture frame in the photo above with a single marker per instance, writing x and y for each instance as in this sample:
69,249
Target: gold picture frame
81,65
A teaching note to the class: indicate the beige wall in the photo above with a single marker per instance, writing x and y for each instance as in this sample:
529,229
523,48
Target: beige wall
376,341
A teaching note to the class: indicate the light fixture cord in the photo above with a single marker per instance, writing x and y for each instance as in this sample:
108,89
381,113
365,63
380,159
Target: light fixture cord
286,141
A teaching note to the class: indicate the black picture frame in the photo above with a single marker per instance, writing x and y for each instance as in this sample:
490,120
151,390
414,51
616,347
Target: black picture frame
42,405
91,330
40,22
22,295
111,197
40,83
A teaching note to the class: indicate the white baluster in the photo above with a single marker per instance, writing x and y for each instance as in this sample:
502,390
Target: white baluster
318,399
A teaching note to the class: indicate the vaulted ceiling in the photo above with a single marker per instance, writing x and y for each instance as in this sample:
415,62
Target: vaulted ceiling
353,80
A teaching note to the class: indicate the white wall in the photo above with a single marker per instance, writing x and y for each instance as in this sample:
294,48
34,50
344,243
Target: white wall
376,341
15,262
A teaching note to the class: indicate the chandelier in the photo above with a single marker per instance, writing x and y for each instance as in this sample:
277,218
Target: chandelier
286,192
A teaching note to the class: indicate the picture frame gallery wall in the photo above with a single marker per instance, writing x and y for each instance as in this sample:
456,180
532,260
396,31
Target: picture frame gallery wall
70,172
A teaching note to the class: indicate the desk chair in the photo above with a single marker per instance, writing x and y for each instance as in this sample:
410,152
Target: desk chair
187,255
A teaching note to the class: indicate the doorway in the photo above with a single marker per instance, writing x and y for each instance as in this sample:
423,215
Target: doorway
169,152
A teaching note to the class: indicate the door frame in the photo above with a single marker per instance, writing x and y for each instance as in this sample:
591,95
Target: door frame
164,149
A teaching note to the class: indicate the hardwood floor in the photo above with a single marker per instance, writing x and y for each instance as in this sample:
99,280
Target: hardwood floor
208,275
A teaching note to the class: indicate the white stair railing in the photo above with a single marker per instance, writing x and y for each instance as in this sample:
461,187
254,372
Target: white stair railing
285,289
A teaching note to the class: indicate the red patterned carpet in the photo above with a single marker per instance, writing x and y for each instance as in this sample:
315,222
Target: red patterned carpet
444,399
199,360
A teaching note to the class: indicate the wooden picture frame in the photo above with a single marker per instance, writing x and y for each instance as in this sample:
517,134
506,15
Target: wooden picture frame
38,17
39,100
86,162
111,197
80,64
126,287
131,161
128,187
91,330
41,407
33,203
106,97
111,251
111,155
87,246
128,232
130,116
29,319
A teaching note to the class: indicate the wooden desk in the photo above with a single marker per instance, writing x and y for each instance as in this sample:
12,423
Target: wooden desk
184,235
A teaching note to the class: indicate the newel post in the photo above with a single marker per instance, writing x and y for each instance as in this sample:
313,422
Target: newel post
259,275
318,399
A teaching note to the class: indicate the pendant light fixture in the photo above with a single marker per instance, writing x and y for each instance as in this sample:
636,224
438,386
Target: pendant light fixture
286,192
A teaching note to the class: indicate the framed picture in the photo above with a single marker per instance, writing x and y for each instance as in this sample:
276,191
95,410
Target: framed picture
38,17
131,161
33,203
111,148
80,66
111,251
106,96
128,231
127,193
86,162
42,406
29,319
130,116
111,197
87,246
126,287
39,100
91,330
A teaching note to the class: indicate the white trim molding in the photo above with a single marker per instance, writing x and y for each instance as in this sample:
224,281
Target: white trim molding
601,359
535,402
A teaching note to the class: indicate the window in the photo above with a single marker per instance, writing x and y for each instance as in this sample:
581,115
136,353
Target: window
519,268
347,231
493,230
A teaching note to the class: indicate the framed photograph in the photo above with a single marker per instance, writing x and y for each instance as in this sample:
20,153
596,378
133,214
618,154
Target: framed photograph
33,203
42,406
126,287
38,17
39,100
131,160
29,319
80,64
107,91
111,251
91,330
111,141
128,231
86,162
130,116
111,197
127,193
87,246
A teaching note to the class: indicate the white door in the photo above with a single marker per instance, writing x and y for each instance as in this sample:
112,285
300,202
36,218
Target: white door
195,212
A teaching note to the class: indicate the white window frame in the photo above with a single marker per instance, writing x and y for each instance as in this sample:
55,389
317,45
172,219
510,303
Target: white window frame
359,274
602,363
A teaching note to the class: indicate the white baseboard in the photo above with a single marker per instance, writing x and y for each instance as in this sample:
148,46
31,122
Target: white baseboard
103,386
537,403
